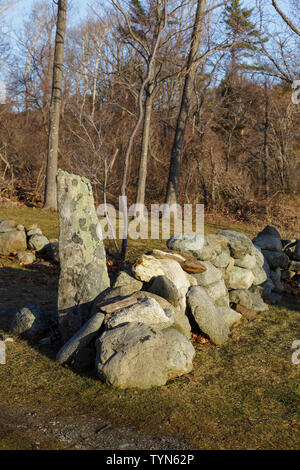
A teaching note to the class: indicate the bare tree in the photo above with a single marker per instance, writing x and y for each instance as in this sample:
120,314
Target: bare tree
50,188
174,173
285,18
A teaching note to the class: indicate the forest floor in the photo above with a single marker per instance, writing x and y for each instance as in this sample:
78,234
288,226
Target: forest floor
242,395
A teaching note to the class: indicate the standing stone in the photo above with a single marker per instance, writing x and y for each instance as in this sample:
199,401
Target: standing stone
82,257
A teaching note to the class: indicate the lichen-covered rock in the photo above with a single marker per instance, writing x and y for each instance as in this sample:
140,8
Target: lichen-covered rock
239,278
81,339
146,310
11,241
83,271
29,322
206,315
133,355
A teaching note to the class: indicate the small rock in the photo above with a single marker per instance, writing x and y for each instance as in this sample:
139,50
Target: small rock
26,257
239,278
37,242
29,321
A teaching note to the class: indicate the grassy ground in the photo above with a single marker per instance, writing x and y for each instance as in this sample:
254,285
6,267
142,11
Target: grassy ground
245,394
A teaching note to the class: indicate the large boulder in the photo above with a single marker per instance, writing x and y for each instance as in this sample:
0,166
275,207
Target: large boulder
133,355
206,315
230,316
83,271
81,339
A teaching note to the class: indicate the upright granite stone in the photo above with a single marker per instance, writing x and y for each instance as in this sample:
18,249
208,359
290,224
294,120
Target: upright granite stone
82,257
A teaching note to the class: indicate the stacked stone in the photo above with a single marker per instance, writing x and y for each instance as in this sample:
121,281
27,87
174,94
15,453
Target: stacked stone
234,268
281,261
26,242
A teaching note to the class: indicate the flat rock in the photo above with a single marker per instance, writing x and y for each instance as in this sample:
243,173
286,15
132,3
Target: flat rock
146,310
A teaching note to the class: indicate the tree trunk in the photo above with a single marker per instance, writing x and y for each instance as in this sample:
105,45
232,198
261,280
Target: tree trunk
140,198
50,188
176,154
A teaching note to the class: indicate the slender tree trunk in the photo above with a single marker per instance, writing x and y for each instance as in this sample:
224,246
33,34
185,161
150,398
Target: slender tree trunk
50,188
140,198
176,154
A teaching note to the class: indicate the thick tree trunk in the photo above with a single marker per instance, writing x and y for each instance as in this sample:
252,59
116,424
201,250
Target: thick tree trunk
50,188
176,154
